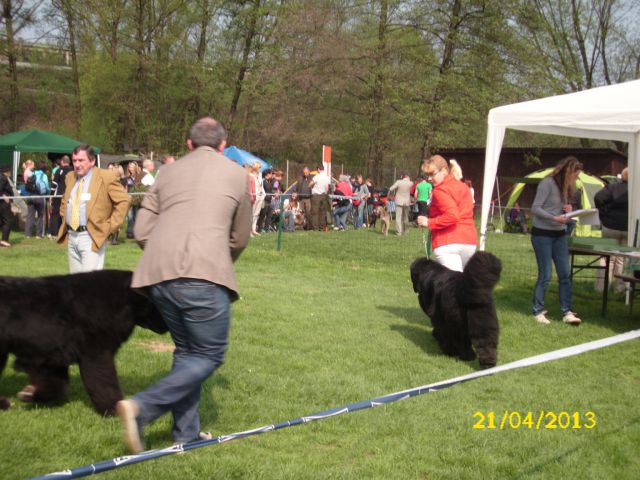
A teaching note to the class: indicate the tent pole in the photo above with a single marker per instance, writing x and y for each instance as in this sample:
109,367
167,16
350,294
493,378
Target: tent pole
287,178
499,207
16,162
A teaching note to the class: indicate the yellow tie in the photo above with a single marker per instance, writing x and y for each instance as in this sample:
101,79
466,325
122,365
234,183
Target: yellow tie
74,221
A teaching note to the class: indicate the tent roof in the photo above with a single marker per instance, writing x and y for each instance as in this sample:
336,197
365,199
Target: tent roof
242,157
608,113
600,112
38,141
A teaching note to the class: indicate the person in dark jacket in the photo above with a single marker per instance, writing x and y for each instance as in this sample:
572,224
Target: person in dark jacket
59,186
612,203
6,191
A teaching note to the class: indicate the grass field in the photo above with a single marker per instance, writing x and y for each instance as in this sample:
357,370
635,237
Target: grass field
332,319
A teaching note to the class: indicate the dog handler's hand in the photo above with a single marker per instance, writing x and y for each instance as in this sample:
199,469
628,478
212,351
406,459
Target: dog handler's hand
423,221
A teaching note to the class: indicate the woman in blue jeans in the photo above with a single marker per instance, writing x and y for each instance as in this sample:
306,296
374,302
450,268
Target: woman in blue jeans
549,239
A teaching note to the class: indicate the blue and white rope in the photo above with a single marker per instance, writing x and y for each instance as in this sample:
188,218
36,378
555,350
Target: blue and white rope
385,399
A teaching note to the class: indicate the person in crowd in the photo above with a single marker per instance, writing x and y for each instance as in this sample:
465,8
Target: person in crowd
260,197
291,212
304,196
36,207
93,207
133,184
549,239
361,193
517,218
402,191
371,201
422,195
266,214
148,169
342,206
167,160
319,196
612,203
469,184
453,233
6,191
191,287
59,182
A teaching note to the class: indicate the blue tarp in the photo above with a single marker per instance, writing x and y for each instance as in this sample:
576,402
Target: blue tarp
242,157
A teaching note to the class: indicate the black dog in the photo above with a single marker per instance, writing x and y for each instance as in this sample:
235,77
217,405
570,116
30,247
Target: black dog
461,306
49,323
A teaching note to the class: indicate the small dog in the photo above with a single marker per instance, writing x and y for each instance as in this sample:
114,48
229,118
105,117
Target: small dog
381,212
461,306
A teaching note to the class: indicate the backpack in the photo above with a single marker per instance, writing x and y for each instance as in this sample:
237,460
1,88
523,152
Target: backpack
30,185
35,184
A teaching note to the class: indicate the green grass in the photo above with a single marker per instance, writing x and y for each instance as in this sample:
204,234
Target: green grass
332,319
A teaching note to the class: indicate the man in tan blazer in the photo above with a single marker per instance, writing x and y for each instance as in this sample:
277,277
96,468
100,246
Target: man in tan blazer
93,207
193,224
402,191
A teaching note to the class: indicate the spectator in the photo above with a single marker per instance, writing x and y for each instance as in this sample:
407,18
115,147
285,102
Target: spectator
402,191
148,167
371,204
422,196
304,196
59,181
453,233
319,196
264,220
133,184
612,203
6,191
86,230
518,219
36,207
291,212
260,196
342,205
361,193
188,272
549,239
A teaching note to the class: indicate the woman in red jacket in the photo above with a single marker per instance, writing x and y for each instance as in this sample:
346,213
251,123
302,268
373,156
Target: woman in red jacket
453,233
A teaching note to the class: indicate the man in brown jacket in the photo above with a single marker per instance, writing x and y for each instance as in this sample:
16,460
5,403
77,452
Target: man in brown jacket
93,207
193,224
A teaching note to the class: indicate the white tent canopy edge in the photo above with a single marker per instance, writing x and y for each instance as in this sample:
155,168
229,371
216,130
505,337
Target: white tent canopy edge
605,113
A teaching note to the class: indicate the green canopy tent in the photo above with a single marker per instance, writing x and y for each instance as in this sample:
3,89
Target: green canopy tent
13,144
589,185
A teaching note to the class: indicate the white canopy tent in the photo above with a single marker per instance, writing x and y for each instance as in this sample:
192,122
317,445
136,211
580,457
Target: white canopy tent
606,113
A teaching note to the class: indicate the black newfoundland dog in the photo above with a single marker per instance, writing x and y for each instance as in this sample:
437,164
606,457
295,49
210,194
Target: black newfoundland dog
49,323
461,306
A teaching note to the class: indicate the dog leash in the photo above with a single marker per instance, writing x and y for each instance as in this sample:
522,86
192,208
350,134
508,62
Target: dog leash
426,239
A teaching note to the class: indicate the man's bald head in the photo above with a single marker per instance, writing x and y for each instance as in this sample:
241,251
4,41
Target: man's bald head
208,132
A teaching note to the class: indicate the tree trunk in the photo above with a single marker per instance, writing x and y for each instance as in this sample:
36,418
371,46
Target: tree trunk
446,62
14,94
67,10
244,65
376,161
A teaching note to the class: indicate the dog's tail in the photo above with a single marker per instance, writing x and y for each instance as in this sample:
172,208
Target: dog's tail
481,273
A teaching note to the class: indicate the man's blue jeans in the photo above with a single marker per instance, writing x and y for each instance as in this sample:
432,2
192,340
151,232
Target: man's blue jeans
340,216
197,314
358,221
548,249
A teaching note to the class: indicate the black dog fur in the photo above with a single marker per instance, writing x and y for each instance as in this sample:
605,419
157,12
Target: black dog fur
49,323
461,306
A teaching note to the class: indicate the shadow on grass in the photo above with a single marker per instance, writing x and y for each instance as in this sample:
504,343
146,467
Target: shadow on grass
413,315
420,337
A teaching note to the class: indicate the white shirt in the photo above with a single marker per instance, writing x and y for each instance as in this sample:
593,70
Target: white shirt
148,179
321,184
